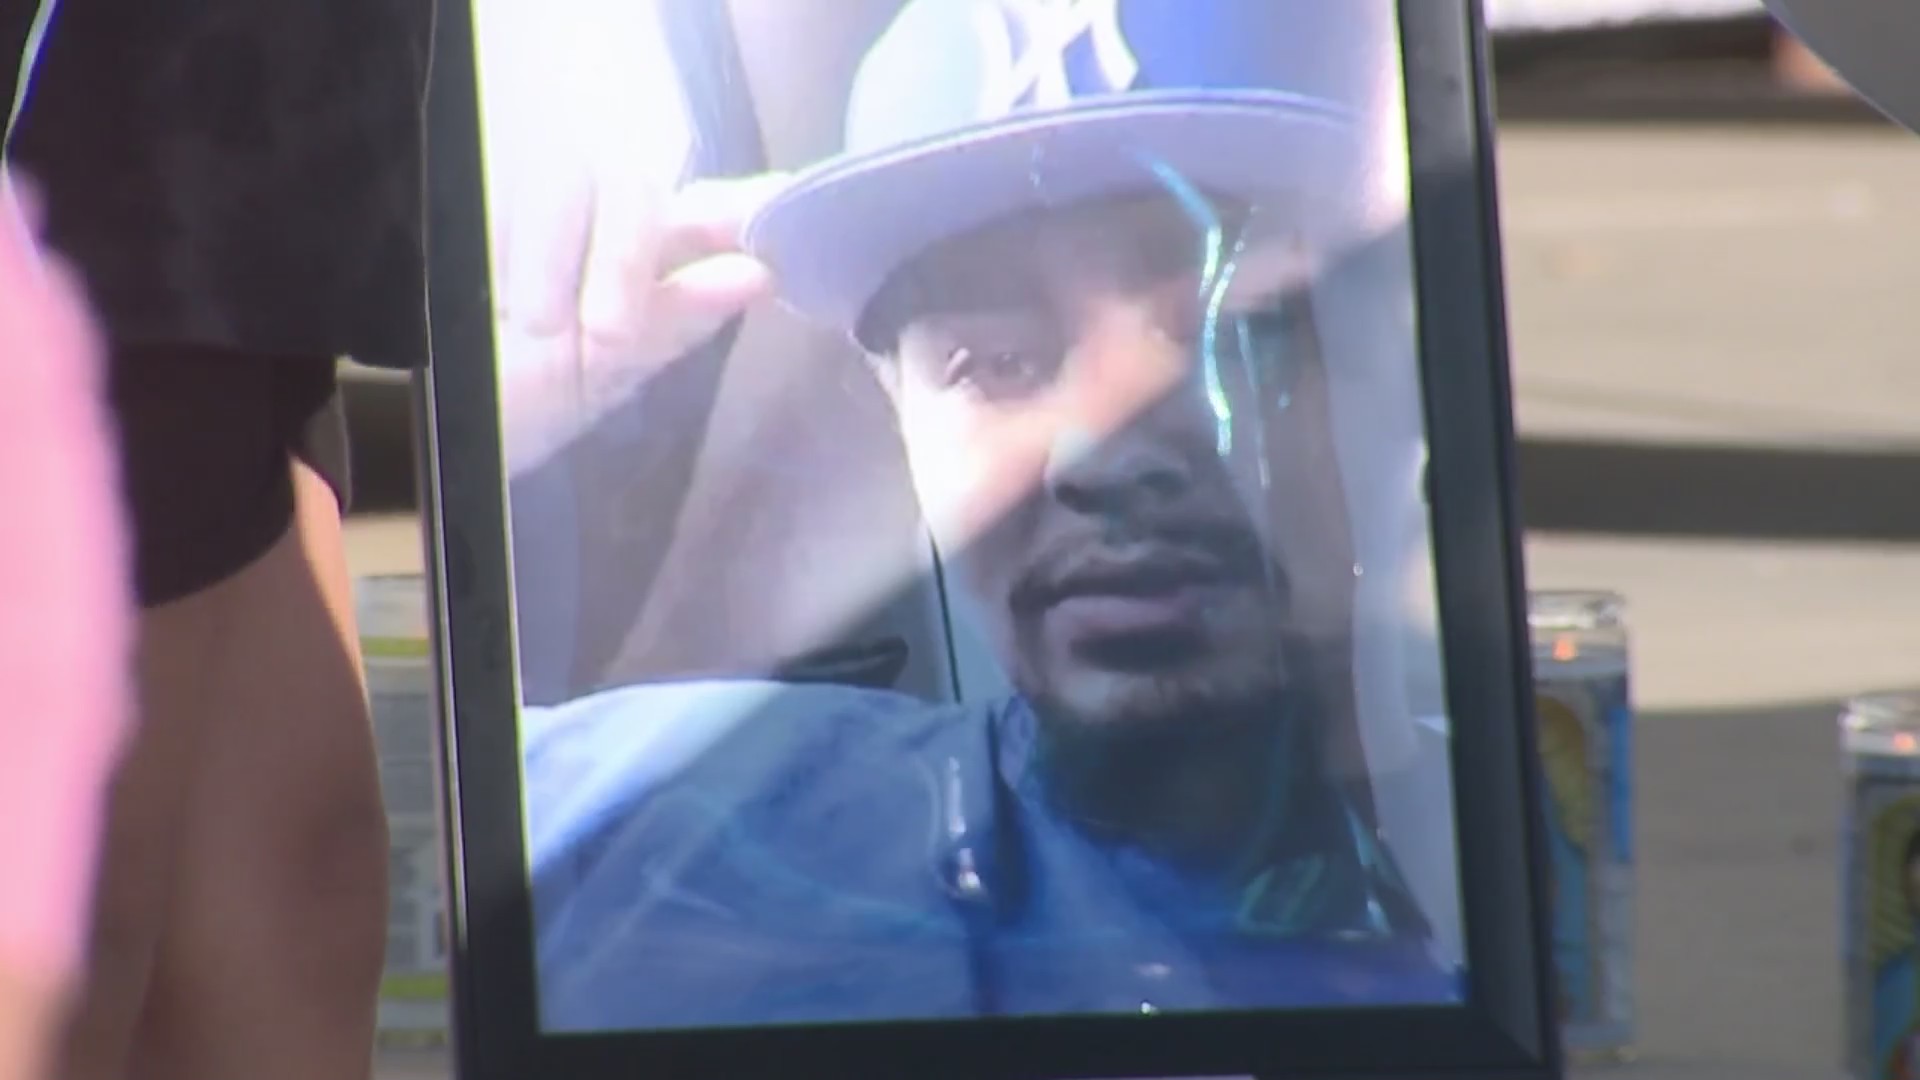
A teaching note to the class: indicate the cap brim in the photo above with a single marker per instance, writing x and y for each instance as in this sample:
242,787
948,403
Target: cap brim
1873,44
834,236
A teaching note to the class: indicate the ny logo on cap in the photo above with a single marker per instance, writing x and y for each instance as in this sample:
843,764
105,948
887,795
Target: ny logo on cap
1056,51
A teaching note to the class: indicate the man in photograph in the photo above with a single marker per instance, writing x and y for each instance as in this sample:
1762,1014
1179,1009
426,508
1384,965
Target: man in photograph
1080,272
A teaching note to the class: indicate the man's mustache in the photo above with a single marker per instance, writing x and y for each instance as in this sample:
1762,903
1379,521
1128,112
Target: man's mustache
1140,557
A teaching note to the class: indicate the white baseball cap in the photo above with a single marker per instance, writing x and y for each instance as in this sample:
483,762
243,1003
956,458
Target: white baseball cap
967,111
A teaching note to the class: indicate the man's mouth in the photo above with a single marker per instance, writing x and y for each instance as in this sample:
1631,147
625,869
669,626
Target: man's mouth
1140,575
1154,593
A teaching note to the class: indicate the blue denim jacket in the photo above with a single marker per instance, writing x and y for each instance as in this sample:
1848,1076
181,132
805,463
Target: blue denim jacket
735,853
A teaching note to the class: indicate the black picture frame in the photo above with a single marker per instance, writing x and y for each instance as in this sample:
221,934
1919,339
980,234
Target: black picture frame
1507,1026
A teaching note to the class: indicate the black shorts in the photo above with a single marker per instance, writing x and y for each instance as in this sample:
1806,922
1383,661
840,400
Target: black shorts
240,184
208,440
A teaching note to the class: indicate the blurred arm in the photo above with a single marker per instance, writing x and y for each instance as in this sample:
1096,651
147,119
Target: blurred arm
65,632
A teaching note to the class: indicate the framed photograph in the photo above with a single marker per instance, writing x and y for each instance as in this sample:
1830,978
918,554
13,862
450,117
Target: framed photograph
975,538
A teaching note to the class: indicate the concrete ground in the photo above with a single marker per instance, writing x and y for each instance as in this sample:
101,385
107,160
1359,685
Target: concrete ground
1713,333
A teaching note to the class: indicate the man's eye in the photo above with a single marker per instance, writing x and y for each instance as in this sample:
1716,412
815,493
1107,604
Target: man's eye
997,374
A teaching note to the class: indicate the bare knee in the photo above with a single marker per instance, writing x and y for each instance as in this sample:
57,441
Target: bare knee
305,850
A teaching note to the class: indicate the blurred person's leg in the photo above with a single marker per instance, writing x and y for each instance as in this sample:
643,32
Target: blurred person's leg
270,959
240,182
239,923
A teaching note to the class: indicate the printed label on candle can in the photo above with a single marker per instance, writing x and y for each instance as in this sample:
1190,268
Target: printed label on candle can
1585,723
1881,922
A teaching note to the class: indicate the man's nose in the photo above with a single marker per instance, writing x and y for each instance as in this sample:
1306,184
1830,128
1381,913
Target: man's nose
1131,420
1115,473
